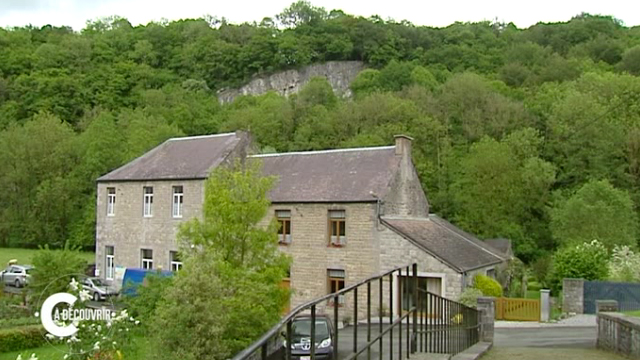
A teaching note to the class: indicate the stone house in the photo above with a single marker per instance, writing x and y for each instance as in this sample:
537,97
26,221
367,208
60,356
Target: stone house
345,215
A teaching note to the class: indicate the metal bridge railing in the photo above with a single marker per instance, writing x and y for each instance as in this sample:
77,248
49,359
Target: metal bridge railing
425,322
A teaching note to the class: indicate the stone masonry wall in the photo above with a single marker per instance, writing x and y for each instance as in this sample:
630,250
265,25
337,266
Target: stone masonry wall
619,333
128,231
573,296
339,74
313,255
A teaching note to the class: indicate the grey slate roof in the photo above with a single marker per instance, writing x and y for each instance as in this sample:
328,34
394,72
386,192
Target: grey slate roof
460,250
348,175
500,244
178,158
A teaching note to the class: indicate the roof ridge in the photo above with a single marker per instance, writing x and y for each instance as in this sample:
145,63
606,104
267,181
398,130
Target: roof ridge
200,136
315,152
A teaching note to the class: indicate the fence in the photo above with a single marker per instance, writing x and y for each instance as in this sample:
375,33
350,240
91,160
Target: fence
428,323
619,333
517,309
626,294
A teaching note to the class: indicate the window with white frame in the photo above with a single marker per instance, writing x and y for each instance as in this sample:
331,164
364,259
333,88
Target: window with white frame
111,201
337,231
148,201
109,262
174,258
146,259
178,197
284,226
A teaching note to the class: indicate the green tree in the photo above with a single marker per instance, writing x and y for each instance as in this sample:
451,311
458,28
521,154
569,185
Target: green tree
631,61
596,211
588,261
228,292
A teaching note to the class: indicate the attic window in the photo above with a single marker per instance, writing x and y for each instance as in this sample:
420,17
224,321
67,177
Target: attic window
337,224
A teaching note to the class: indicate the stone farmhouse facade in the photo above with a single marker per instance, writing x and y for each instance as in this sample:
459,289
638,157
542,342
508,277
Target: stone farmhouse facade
345,215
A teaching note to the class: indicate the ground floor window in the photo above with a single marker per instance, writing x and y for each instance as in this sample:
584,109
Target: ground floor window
146,261
174,259
109,262
336,283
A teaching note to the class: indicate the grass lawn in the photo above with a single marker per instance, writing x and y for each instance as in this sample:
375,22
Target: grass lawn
46,352
633,313
24,256
50,352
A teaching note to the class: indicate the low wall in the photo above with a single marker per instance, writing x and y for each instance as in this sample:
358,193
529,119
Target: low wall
573,296
619,333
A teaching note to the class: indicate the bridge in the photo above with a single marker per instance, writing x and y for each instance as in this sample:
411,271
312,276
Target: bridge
423,323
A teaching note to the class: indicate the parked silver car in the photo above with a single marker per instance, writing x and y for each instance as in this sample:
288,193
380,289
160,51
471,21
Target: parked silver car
16,275
98,289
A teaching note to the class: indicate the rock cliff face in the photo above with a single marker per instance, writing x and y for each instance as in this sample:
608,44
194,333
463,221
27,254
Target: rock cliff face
338,73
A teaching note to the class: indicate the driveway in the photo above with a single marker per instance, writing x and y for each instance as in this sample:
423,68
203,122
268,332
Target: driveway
551,342
547,337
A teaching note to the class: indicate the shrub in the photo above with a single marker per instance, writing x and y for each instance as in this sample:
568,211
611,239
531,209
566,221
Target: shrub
22,338
515,290
589,261
487,285
469,297
10,308
147,296
11,323
624,265
53,270
541,269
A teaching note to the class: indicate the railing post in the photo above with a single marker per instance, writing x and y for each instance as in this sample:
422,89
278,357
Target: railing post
401,286
416,300
380,345
335,322
288,350
313,332
355,321
391,316
368,320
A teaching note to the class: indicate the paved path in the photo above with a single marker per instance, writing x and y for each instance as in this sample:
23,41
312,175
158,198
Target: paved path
568,342
585,320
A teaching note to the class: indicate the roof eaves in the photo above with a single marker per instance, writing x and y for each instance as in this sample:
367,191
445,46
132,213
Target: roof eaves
427,250
100,180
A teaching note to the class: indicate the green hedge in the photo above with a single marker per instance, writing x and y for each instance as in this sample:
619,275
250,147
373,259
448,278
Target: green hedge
487,285
10,323
22,338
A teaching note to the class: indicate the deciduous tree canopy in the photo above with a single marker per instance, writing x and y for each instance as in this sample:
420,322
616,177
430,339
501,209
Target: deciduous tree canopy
508,123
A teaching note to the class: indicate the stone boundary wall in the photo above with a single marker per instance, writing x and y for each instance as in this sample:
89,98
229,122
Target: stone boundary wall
619,333
573,296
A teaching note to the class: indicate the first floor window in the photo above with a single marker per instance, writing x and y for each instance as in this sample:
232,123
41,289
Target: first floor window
146,259
337,224
111,201
176,262
336,283
178,196
148,201
109,262
284,223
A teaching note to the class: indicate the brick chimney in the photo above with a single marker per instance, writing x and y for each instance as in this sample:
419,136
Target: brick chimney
403,144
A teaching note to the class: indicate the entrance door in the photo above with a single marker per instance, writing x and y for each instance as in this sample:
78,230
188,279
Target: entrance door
432,285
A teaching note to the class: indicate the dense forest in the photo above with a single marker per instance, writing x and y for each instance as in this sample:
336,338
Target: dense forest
529,134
